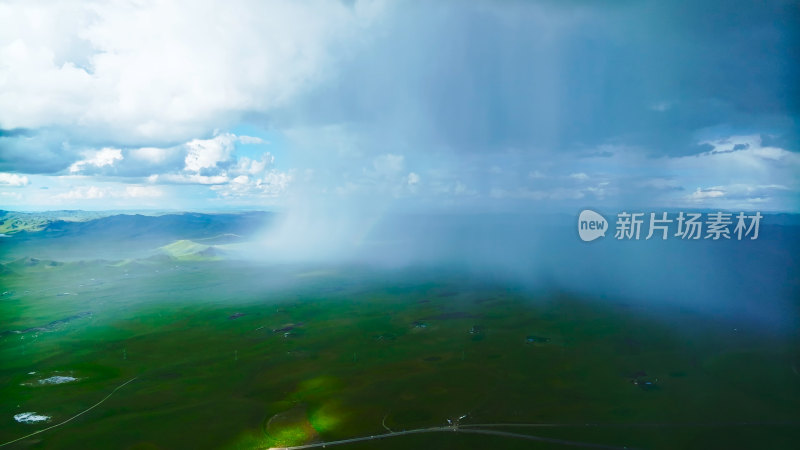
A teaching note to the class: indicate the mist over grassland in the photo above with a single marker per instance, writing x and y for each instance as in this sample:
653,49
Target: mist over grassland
756,280
751,280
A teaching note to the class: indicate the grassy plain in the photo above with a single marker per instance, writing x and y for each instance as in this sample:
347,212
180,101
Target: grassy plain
242,355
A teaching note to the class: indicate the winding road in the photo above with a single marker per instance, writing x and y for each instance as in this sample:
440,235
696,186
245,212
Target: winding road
480,428
71,418
454,429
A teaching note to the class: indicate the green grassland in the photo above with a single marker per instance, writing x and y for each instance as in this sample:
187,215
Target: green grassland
12,222
237,355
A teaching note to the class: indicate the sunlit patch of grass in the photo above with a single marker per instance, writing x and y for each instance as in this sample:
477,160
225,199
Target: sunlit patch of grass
326,417
290,427
252,440
317,384
317,388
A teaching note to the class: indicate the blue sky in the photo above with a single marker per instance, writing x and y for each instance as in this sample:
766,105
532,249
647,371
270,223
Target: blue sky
423,106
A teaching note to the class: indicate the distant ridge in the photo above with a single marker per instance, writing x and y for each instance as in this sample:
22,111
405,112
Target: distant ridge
124,236
169,226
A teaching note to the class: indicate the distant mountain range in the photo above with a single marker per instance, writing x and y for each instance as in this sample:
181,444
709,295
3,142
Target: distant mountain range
171,226
123,235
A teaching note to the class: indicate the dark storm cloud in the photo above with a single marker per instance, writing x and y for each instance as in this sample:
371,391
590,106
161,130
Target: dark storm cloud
14,132
485,77
35,151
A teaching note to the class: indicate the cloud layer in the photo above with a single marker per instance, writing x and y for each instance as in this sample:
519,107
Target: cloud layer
446,105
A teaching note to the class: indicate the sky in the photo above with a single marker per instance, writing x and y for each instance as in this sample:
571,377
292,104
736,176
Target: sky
471,106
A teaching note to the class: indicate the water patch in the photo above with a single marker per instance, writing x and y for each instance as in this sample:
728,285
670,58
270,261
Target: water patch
50,326
537,340
43,378
57,380
30,417
452,315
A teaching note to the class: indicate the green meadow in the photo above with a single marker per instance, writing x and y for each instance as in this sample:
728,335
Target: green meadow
243,355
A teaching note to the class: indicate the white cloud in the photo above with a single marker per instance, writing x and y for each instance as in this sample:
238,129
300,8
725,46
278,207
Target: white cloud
241,179
165,70
251,140
207,153
700,195
271,184
96,193
245,165
580,176
12,179
740,159
83,193
99,158
737,195
386,175
181,178
152,155
275,181
733,143
213,163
